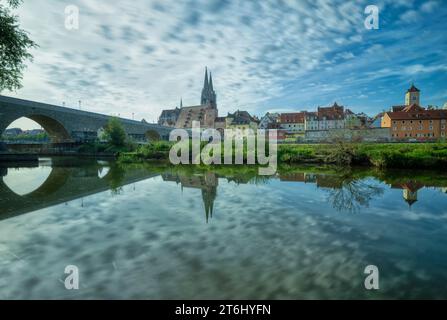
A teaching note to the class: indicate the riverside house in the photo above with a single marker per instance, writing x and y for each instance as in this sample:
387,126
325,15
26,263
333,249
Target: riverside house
413,122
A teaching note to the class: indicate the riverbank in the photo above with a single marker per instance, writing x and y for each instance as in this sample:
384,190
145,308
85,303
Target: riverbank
386,155
8,157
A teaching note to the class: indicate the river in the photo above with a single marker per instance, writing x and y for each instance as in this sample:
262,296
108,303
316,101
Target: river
155,232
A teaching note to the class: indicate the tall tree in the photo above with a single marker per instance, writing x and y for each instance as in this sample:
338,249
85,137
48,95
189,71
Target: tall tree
115,133
14,47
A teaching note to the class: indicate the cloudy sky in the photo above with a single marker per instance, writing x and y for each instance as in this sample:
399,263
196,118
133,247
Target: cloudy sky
272,55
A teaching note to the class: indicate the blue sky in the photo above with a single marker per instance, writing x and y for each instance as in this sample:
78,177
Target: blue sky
143,56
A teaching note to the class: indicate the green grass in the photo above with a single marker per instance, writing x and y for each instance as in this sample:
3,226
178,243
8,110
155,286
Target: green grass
391,155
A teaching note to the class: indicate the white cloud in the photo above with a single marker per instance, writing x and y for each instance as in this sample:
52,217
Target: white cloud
429,6
142,57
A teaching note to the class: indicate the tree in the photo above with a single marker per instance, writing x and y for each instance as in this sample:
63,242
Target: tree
14,46
115,133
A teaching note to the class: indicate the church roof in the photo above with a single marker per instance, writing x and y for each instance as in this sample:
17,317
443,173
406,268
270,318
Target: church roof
413,89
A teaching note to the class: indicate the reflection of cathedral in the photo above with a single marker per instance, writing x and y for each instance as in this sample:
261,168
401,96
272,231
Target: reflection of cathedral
207,182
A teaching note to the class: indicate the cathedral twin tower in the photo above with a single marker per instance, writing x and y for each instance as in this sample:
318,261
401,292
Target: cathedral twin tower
208,93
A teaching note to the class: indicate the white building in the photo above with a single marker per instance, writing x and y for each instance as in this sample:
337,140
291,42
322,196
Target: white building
268,119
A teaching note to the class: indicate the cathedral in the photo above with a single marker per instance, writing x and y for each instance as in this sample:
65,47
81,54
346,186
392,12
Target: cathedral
205,113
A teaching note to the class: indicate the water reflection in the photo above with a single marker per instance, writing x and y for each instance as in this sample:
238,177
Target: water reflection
206,182
27,189
141,232
65,180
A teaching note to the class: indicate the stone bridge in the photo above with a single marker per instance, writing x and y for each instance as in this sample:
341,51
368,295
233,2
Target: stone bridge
70,125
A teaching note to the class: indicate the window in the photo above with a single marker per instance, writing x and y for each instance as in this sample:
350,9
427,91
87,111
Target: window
442,134
430,128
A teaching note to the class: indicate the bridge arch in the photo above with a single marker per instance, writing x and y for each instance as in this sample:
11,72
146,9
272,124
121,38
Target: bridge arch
55,130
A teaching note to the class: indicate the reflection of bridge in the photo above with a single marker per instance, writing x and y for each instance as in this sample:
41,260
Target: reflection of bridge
67,125
64,184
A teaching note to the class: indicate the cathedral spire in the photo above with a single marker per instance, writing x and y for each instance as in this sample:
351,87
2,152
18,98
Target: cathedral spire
211,83
208,94
205,84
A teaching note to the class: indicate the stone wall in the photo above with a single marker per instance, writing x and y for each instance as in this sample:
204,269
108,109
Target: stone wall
371,134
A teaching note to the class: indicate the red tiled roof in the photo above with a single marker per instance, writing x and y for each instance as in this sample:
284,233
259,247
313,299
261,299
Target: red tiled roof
413,108
295,117
335,112
422,114
398,108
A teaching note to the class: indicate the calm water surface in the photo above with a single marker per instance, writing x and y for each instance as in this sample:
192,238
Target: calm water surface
162,233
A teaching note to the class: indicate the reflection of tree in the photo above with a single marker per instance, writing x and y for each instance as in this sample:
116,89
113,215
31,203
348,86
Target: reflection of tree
352,194
116,178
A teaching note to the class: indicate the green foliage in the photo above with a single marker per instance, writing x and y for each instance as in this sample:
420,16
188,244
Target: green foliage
392,155
14,46
158,150
114,133
41,137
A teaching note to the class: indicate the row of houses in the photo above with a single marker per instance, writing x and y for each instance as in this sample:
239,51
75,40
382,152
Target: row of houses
410,121
325,118
314,125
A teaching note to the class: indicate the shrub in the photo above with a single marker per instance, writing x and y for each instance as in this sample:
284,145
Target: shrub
114,133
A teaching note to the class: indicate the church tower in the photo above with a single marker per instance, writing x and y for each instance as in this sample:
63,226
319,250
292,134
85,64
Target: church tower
412,96
208,93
